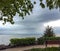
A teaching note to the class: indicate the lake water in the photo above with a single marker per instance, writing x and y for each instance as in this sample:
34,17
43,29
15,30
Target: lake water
4,39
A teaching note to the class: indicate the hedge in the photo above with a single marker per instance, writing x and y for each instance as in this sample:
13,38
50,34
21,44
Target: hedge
22,41
31,41
41,40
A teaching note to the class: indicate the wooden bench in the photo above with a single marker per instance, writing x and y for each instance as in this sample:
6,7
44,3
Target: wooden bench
52,43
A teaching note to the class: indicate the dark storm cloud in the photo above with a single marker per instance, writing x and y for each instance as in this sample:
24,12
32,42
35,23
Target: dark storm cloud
41,17
33,23
49,16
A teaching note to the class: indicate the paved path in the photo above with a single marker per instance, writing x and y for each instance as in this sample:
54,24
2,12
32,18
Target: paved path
29,47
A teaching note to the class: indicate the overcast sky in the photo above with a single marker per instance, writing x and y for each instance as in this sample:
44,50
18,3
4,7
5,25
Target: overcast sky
34,23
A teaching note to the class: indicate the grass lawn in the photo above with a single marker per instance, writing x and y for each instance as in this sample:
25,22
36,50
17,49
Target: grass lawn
45,49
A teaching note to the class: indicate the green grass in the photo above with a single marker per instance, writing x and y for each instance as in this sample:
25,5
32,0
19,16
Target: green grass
45,49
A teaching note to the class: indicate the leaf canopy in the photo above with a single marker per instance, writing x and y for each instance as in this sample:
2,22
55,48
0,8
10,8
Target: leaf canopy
9,8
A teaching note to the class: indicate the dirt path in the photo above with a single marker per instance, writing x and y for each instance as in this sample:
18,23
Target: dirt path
29,47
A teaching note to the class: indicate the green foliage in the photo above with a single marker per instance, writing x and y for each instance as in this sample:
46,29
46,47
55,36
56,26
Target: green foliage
22,42
49,32
45,49
9,8
51,4
31,41
53,38
42,40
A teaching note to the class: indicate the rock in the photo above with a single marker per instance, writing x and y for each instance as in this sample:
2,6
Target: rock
3,47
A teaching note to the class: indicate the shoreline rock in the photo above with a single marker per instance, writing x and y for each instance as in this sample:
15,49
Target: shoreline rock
2,47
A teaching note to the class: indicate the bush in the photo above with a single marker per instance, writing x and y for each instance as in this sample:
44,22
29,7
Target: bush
52,38
22,41
41,40
31,41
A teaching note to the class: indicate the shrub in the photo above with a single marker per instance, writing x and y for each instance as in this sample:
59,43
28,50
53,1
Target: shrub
41,40
22,41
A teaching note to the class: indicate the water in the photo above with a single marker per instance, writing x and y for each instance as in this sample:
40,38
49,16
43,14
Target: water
4,39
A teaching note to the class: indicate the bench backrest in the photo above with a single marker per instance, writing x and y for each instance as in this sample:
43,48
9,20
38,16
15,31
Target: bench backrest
53,42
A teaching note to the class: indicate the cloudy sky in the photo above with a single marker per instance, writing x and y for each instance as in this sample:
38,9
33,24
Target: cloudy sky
34,23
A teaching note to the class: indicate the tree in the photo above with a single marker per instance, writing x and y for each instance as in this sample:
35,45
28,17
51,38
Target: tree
9,8
49,32
51,4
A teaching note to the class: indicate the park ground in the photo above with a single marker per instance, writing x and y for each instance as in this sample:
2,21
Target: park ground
29,47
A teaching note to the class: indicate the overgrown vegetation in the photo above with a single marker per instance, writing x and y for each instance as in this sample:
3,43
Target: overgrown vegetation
22,41
31,41
41,40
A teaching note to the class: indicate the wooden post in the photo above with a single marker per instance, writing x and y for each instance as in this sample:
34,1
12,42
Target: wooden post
45,42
